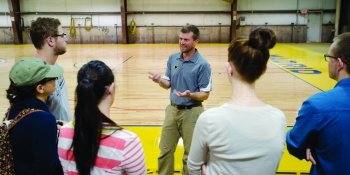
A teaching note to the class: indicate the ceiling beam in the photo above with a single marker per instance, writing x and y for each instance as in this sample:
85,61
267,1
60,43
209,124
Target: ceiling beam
15,16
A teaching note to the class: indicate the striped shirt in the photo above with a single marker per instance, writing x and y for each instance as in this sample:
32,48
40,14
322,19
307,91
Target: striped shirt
120,153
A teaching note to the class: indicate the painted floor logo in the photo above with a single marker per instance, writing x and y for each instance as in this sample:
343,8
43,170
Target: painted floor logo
293,66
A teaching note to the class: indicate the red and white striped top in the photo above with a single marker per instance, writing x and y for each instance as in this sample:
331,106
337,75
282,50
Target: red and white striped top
120,153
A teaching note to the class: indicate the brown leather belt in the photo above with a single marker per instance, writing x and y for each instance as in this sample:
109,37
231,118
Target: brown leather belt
182,107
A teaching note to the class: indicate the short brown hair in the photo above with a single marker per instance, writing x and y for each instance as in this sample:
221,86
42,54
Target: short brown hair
342,48
191,28
42,28
250,56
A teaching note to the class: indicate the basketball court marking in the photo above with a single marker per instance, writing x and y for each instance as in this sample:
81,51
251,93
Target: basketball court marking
307,65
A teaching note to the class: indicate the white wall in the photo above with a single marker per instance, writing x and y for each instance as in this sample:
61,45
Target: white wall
70,5
267,4
97,20
166,21
73,6
170,5
4,17
178,5
285,4
179,19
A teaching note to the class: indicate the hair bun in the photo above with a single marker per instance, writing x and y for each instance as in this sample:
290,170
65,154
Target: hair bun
262,39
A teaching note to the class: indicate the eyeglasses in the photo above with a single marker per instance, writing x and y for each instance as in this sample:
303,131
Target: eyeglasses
63,35
327,58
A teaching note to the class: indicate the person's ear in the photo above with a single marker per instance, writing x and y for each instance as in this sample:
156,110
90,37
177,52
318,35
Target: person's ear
340,63
40,89
111,88
229,68
196,41
50,41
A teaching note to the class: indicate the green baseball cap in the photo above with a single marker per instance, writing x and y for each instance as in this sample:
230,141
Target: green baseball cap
29,71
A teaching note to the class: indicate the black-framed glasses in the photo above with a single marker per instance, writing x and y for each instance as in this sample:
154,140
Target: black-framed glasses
327,57
63,35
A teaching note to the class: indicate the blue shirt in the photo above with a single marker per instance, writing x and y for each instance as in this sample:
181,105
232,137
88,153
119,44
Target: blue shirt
323,124
34,140
193,75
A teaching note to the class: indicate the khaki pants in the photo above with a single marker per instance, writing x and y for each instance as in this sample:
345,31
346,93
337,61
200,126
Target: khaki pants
177,123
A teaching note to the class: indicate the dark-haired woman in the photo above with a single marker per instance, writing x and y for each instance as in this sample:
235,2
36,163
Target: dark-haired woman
34,138
244,135
93,143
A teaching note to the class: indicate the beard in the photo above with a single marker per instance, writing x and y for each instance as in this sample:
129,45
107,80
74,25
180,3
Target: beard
60,51
332,75
185,49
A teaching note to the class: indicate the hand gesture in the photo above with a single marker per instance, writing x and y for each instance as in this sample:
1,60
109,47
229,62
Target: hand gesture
60,123
154,76
186,93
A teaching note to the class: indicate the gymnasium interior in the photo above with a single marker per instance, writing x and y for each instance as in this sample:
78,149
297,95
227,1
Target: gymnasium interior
134,37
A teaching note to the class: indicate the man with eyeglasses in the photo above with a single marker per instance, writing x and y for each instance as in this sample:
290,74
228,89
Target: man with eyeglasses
50,42
321,133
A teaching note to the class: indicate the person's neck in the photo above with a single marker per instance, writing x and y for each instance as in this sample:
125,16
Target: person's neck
342,75
187,55
42,97
243,94
104,106
47,55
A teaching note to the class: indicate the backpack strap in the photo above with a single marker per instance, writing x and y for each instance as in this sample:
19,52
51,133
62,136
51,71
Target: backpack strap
7,114
21,115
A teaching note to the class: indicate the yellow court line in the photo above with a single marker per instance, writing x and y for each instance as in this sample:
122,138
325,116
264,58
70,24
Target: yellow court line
150,135
307,65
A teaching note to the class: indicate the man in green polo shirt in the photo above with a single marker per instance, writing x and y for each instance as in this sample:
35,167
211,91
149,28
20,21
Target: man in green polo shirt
188,75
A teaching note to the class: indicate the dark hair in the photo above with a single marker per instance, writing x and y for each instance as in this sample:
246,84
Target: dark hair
17,94
93,78
250,56
342,48
42,28
191,28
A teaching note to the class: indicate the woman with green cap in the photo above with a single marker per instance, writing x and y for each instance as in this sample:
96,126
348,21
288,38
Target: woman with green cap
34,138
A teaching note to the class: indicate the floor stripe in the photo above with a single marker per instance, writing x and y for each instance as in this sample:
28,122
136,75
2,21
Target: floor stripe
307,65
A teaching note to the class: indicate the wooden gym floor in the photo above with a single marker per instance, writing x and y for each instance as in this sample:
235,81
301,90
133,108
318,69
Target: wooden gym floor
139,101
295,71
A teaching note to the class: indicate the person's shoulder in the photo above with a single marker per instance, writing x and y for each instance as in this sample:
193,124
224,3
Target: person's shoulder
30,57
42,115
125,134
323,101
39,119
202,60
213,113
276,113
175,55
215,110
322,97
274,110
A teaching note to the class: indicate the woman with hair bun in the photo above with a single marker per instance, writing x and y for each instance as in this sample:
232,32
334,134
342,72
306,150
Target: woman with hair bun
244,135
